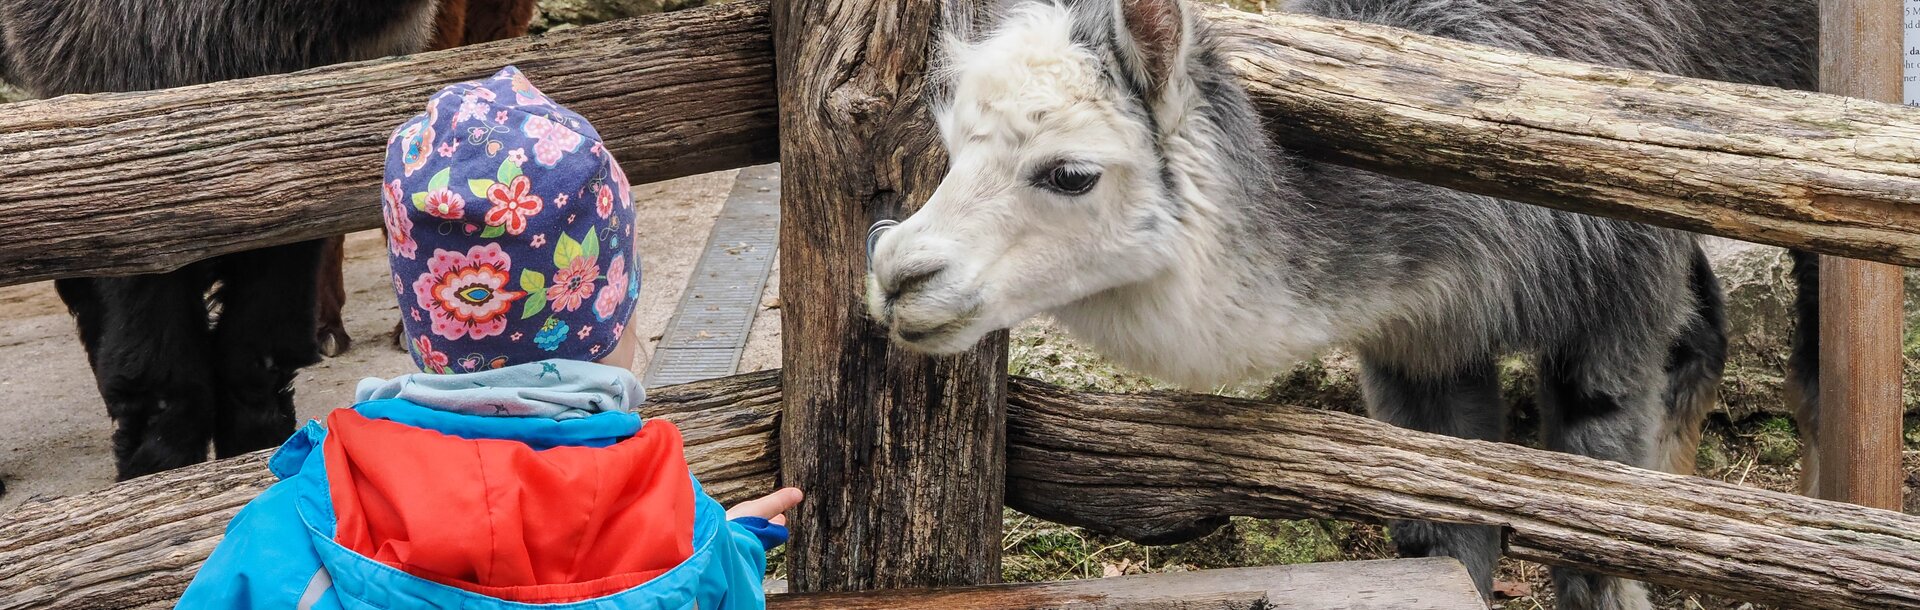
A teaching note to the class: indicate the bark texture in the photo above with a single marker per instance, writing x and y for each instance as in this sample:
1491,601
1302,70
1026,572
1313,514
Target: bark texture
126,183
1819,172
1147,466
1402,584
901,455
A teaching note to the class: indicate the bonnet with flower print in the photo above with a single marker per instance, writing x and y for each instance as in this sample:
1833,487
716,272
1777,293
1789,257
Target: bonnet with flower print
509,230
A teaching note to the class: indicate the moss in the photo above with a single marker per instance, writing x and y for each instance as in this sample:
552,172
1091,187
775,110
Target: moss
1713,453
8,94
1776,441
1042,351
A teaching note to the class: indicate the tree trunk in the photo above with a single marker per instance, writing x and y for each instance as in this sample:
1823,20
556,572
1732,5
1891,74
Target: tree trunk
121,183
901,455
1142,466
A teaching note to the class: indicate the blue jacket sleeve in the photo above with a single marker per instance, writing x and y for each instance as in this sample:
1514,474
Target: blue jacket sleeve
745,561
267,559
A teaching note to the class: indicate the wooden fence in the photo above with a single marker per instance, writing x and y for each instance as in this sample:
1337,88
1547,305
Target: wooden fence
230,166
1154,467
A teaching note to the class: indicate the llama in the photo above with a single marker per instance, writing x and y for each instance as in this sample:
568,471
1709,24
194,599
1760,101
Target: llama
206,353
1108,170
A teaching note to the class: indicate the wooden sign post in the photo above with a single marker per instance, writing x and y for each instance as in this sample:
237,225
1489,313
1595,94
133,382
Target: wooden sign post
1861,53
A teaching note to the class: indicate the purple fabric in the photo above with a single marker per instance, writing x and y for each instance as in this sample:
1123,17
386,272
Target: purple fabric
508,228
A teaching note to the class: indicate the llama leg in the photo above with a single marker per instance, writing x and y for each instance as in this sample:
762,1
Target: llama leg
146,338
1609,410
1464,403
265,334
1803,365
330,329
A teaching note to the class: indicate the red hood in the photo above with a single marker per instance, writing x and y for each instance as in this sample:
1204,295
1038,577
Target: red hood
499,518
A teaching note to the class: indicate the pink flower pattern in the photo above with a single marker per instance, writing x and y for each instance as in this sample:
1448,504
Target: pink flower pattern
431,360
467,294
572,285
615,292
445,203
512,204
399,224
552,140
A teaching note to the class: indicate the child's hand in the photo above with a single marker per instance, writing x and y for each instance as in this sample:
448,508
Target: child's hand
768,507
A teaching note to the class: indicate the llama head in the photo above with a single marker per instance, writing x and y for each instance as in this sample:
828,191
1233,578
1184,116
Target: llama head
1056,189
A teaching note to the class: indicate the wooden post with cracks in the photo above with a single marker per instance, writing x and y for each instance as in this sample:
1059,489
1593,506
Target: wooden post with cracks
1858,433
902,456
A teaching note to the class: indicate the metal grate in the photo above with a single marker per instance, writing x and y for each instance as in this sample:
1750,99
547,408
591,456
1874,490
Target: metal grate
709,328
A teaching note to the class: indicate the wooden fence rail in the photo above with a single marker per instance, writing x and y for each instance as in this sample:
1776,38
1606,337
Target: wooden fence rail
143,182
1154,466
127,183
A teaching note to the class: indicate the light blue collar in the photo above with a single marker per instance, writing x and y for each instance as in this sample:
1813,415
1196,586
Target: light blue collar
551,389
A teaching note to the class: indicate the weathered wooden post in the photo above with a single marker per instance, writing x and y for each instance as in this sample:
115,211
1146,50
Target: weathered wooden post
1860,301
901,456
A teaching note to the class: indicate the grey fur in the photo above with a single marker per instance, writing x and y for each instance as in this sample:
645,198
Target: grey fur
1623,319
54,47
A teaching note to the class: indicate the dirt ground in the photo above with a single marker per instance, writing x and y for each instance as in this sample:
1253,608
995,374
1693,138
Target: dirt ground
54,431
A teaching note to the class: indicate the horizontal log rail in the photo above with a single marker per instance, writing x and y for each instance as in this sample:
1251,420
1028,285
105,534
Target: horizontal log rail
1818,172
1161,466
1399,584
143,182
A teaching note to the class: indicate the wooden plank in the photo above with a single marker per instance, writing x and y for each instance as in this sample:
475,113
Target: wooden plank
709,328
1164,465
145,182
1401,584
1856,456
901,455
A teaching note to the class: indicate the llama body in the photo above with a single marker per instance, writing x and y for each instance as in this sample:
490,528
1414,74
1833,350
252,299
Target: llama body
175,377
1108,170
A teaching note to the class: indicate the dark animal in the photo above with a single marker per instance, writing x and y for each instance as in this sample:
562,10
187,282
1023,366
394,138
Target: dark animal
1108,169
207,353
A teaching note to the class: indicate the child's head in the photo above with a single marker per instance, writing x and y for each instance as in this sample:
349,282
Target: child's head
508,228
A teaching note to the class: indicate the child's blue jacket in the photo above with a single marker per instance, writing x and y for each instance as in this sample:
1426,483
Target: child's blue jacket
281,550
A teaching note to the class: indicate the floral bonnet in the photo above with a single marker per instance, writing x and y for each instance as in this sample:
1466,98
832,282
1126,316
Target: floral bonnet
509,230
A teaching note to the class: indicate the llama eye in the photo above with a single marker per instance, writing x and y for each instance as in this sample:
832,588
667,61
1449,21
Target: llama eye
1072,180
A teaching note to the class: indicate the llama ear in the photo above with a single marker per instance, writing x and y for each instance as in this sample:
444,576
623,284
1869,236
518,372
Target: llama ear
1152,37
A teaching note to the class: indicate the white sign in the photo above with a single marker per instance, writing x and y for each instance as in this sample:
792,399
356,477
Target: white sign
1910,55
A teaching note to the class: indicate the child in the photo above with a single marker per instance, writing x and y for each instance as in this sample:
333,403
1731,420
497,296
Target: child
513,471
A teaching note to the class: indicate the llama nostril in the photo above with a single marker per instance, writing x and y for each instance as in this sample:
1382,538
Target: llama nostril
910,278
